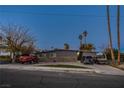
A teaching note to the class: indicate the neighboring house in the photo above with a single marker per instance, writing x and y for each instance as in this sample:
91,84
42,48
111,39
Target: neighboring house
59,55
62,55
3,46
4,50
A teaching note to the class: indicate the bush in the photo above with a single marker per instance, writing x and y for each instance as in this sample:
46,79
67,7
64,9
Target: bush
42,59
5,58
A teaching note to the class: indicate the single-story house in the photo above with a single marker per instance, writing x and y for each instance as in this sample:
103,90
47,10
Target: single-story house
58,55
4,50
3,46
62,55
5,55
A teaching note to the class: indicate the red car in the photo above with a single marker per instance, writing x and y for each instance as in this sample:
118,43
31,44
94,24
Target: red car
28,59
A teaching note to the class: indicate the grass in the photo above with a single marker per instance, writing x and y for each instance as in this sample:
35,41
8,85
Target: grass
64,66
42,59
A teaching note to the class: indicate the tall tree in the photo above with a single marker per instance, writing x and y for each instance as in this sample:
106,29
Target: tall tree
18,38
87,47
110,36
118,32
90,47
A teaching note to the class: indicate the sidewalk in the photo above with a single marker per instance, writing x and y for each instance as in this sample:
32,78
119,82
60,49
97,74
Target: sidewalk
99,69
39,68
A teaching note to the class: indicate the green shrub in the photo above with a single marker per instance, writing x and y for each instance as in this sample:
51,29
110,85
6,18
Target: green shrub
5,58
42,59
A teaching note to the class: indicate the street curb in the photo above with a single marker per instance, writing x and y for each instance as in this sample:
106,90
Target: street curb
65,70
51,69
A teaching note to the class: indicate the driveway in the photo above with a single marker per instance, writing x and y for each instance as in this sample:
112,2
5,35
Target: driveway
106,69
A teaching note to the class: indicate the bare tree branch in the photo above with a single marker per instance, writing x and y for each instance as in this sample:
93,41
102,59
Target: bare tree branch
18,37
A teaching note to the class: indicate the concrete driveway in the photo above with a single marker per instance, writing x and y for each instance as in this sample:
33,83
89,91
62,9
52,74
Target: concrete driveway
106,69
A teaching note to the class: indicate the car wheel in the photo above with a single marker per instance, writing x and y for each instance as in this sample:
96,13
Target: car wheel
30,62
22,62
36,62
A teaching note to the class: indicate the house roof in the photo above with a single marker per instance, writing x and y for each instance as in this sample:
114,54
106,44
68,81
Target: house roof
55,50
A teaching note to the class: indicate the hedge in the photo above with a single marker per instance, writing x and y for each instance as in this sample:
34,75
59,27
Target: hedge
5,58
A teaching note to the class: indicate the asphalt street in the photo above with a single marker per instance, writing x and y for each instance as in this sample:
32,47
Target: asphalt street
43,79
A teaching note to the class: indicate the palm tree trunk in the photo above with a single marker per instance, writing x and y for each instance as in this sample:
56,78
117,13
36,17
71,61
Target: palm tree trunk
118,32
110,36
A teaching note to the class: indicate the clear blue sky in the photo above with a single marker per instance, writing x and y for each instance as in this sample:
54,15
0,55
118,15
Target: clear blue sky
55,25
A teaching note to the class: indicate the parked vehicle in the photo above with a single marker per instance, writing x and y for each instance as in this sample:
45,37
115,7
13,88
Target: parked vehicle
26,58
101,58
88,60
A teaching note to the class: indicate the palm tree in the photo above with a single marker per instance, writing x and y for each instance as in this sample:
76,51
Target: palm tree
85,33
90,47
118,32
110,36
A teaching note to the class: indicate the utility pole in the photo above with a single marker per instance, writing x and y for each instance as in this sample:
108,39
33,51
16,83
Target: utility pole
118,32
110,36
